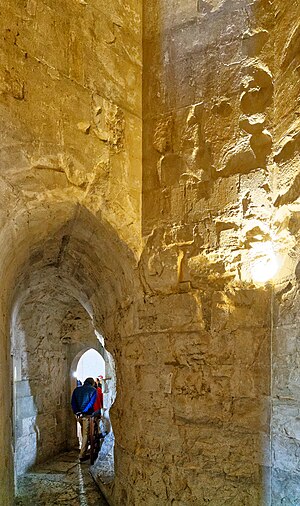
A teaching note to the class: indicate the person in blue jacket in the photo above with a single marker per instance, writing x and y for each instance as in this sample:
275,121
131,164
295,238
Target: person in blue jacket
82,402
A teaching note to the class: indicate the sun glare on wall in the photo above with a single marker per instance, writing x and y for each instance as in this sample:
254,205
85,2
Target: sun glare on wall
264,262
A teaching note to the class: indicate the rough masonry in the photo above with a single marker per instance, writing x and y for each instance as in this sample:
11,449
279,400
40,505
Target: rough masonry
149,157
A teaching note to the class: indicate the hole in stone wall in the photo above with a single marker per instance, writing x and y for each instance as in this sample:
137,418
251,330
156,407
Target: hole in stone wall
53,340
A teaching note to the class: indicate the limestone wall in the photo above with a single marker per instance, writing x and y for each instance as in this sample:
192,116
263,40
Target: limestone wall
285,357
207,141
206,360
40,382
70,100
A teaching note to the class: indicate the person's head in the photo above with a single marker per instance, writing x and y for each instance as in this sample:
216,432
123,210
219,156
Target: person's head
89,381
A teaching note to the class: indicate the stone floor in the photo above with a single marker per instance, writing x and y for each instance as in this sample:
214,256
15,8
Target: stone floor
63,481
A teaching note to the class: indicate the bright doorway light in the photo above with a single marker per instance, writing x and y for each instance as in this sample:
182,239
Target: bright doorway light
90,365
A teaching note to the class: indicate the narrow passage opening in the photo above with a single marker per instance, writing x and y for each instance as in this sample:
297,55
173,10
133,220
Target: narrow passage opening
54,344
98,365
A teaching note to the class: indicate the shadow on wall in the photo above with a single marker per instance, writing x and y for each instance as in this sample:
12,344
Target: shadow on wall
39,372
285,420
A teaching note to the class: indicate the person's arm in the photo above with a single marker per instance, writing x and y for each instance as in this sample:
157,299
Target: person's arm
74,403
91,402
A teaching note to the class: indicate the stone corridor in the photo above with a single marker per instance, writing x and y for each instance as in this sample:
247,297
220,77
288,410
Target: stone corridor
61,481
150,210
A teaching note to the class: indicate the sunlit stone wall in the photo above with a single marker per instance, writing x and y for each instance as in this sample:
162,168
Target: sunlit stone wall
208,112
220,211
71,103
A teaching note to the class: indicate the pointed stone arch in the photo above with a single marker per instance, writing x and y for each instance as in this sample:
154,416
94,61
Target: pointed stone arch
61,253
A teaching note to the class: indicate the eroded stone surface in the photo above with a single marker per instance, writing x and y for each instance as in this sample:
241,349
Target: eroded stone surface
206,359
220,157
70,100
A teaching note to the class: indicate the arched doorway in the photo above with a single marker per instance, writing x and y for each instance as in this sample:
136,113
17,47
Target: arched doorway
53,343
85,362
65,300
41,356
90,364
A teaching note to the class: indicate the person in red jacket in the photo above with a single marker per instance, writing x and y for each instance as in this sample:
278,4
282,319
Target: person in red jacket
98,404
99,409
